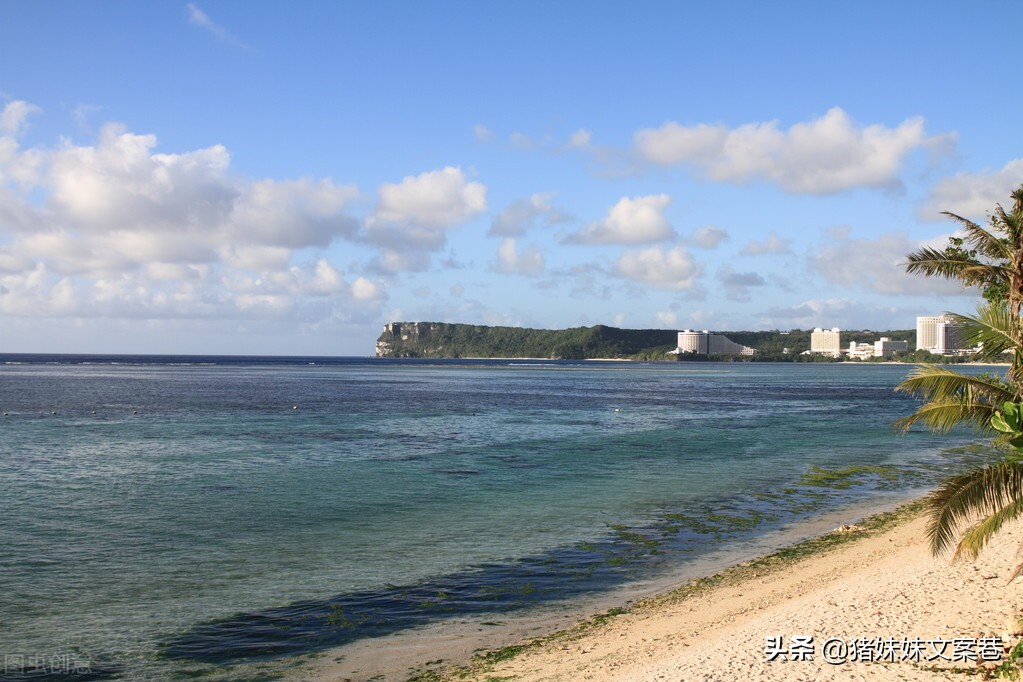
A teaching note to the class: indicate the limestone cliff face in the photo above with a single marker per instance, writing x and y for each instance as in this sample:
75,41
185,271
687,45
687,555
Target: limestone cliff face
407,340
454,340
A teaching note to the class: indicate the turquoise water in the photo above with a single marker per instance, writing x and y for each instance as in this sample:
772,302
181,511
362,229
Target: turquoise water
173,516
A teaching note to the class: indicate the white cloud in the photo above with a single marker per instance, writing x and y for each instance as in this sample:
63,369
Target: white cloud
415,213
14,115
115,229
823,156
708,237
839,312
293,213
878,265
580,139
973,195
671,269
667,319
637,220
199,18
510,261
772,245
482,133
521,216
366,290
258,257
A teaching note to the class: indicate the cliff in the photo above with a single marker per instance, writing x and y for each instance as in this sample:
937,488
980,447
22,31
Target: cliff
443,340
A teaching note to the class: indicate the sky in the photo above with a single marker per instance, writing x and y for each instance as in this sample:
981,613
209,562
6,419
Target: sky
258,177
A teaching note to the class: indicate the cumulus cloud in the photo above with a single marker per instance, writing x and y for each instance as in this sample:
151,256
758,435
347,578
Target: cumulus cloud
416,213
14,116
973,195
878,265
116,229
510,260
823,156
521,216
671,269
772,245
708,237
635,220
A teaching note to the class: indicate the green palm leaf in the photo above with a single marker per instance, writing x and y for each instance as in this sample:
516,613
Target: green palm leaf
942,417
974,539
962,498
994,328
969,271
981,240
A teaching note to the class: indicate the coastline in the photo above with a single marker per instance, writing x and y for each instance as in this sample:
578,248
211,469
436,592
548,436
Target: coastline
877,581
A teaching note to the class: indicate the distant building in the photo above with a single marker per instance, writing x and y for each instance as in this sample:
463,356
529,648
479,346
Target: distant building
826,341
705,343
951,337
886,348
860,351
940,334
927,331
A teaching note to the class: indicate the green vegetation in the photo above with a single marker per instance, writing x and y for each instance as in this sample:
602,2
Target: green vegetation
969,509
444,340
845,477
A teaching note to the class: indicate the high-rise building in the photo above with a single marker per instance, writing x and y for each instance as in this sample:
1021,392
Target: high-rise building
950,337
927,332
705,343
940,334
826,341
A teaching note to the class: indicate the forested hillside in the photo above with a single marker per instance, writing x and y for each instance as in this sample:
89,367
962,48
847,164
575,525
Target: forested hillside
444,340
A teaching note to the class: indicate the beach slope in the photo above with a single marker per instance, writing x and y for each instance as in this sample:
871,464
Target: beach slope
883,585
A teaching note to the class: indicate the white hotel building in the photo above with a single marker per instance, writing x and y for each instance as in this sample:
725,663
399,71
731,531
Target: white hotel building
705,343
828,341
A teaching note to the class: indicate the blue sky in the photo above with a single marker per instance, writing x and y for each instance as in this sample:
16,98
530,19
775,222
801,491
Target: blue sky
255,177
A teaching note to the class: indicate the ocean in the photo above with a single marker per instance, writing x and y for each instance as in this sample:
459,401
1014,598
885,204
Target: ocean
174,517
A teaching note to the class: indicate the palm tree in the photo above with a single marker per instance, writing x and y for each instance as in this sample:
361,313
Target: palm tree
974,506
993,259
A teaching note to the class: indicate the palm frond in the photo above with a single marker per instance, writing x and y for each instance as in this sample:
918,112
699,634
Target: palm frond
952,398
983,241
978,535
994,328
931,382
934,263
963,497
943,416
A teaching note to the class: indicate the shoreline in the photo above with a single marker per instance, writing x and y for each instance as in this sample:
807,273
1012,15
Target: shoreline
876,582
688,611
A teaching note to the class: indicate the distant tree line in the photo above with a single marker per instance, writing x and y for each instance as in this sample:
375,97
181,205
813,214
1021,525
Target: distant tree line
446,340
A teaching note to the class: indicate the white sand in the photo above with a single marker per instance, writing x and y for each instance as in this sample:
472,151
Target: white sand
882,586
887,585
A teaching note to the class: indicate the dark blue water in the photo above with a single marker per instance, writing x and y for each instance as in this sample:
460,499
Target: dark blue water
164,515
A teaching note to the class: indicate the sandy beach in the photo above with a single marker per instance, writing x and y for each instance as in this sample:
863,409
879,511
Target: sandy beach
879,581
